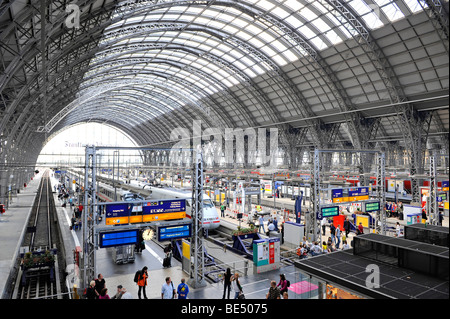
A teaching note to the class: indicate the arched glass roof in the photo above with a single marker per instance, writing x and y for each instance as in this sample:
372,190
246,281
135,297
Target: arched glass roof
350,67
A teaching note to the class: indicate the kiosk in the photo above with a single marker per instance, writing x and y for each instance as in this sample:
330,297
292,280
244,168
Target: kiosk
266,255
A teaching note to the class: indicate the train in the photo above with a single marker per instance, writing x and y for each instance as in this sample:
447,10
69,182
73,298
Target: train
211,219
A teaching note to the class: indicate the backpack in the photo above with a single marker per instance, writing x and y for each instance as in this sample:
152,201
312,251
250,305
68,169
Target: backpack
137,275
288,283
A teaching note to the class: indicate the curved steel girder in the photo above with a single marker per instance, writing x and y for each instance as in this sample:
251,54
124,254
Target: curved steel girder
265,59
90,25
116,115
168,121
203,96
110,101
220,88
153,84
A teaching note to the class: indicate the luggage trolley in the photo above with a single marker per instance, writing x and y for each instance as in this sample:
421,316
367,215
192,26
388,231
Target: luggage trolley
123,254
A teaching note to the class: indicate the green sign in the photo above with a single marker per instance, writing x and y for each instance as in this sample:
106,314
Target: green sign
372,207
329,211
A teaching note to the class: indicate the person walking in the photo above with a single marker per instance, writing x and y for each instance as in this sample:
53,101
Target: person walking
323,222
222,210
346,226
142,282
236,286
333,232
261,224
338,236
227,283
273,293
167,290
182,289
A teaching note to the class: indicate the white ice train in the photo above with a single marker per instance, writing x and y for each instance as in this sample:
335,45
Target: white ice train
211,218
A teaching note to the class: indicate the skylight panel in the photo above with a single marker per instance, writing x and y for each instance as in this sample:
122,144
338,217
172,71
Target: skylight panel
307,32
256,43
279,12
414,5
320,25
333,37
308,14
372,20
279,60
266,5
392,11
318,43
290,56
293,21
294,5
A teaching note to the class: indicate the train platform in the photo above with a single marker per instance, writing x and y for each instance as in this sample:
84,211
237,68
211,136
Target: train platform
13,224
255,286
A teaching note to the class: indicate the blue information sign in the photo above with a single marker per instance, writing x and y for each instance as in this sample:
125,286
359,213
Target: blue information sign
118,238
360,191
166,233
117,210
336,193
164,206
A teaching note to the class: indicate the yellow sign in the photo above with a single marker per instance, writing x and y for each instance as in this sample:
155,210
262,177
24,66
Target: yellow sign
163,216
116,220
186,247
362,219
445,205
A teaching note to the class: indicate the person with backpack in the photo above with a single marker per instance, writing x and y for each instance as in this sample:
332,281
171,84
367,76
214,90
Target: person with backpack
283,284
141,279
182,289
236,286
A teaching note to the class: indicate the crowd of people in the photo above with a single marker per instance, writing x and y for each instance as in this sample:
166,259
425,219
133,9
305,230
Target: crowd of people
97,288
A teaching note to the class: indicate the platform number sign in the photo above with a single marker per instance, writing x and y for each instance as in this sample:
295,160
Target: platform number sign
329,211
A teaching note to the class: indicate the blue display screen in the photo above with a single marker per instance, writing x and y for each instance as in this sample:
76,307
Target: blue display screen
166,233
117,210
360,191
118,238
165,206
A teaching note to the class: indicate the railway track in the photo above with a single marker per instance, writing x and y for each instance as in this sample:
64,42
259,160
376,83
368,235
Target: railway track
38,275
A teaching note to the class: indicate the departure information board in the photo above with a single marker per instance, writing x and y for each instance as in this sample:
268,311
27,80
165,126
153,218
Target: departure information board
166,233
142,212
371,207
326,212
118,238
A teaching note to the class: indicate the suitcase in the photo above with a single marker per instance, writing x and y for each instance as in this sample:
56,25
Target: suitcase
166,262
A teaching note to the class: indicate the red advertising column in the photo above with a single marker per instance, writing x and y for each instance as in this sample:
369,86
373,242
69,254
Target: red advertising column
271,252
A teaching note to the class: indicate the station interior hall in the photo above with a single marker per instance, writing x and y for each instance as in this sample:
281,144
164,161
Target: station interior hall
224,149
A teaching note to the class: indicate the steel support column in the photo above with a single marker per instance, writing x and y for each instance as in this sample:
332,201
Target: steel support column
197,275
